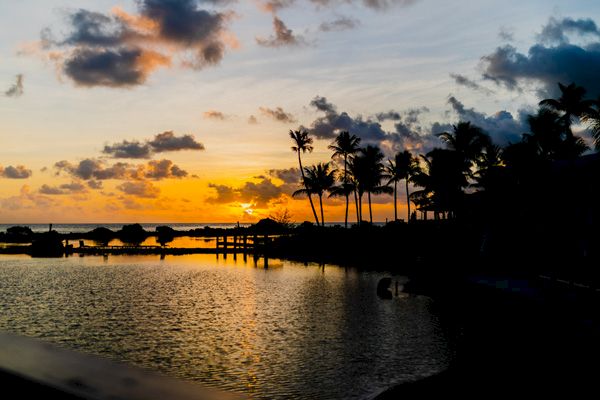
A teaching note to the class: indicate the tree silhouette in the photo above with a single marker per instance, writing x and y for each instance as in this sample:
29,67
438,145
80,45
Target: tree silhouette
369,169
403,166
344,146
592,118
571,104
303,143
319,179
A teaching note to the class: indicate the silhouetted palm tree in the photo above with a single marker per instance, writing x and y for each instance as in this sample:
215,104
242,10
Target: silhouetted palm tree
442,181
354,172
571,104
488,167
303,143
345,146
467,140
551,135
319,179
403,166
369,167
592,118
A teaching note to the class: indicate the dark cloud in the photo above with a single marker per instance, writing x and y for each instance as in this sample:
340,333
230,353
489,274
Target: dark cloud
128,149
214,114
468,83
122,50
97,170
16,89
225,194
282,36
339,24
389,115
94,29
92,184
278,114
502,127
167,141
547,64
259,194
67,188
162,142
557,30
287,175
143,189
113,68
18,172
162,169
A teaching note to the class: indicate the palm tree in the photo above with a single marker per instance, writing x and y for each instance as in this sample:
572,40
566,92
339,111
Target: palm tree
319,179
571,104
303,143
551,136
467,140
369,167
404,166
344,146
592,118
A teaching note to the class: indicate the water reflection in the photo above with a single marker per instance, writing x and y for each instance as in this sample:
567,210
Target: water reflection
290,330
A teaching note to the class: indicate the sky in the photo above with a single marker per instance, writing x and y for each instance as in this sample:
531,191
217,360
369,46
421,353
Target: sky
179,110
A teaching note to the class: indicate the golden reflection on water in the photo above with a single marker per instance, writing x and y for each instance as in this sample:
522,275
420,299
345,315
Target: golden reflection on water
289,331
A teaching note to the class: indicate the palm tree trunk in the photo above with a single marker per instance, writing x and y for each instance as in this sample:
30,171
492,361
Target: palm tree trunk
356,205
370,210
360,195
407,202
345,189
395,201
312,206
322,215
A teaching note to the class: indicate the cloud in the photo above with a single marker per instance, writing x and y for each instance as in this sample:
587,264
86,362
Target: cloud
143,189
214,114
283,36
128,149
67,188
502,127
547,65
388,115
162,169
97,170
27,200
18,172
252,120
468,83
16,89
162,142
276,5
287,175
92,184
557,31
167,141
278,114
257,193
120,67
339,24
506,34
119,49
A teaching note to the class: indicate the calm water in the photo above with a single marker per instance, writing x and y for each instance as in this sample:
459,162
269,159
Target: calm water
291,331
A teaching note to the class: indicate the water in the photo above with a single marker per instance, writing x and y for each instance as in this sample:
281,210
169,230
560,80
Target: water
150,227
291,331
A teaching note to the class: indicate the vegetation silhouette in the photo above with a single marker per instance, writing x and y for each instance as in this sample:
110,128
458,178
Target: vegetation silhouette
303,143
345,146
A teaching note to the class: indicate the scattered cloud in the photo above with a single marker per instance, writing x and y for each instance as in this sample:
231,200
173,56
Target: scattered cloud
278,114
96,170
557,30
260,193
252,120
119,49
468,83
16,89
388,115
67,188
339,24
282,36
143,189
18,172
162,142
214,114
553,59
162,169
506,34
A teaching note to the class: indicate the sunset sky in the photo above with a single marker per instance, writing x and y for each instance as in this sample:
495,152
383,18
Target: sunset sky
179,111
